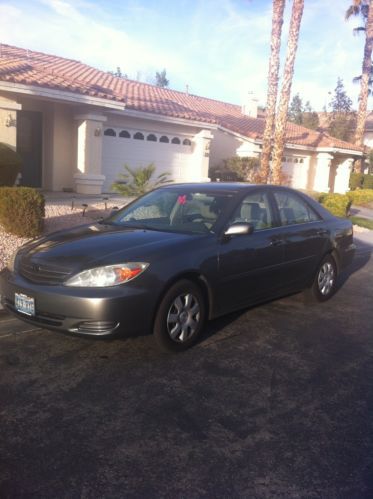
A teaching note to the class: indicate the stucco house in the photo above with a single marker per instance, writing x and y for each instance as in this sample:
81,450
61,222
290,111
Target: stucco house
75,127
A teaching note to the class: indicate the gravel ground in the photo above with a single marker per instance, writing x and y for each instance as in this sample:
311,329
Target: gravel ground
57,217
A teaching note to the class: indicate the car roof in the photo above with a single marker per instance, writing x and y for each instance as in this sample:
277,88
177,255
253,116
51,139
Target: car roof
232,187
213,186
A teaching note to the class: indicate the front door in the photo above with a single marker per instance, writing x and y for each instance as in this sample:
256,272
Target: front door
29,147
251,266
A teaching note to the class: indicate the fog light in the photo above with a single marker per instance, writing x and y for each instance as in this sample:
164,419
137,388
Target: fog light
97,327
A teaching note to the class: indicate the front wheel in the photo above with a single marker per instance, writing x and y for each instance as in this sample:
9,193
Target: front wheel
324,284
180,317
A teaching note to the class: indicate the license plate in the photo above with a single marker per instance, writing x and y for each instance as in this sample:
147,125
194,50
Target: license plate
24,304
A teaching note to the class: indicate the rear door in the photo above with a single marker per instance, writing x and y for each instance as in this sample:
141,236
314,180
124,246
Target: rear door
304,234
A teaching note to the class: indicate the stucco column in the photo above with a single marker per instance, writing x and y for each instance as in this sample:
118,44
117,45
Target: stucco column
322,171
89,178
201,156
342,178
8,121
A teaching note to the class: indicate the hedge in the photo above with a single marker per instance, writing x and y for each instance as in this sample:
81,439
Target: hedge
356,181
337,204
21,211
367,182
361,196
10,165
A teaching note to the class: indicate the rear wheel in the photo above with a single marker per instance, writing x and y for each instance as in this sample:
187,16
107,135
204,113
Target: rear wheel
180,317
324,284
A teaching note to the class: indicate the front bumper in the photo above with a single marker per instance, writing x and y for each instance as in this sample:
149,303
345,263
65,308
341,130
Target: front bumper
82,311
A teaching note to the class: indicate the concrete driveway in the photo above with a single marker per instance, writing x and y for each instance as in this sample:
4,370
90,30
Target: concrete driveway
276,401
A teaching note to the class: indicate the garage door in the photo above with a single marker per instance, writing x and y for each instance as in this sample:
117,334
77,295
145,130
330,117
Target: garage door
169,153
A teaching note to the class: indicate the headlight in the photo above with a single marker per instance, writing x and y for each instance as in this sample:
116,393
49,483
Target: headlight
12,260
110,275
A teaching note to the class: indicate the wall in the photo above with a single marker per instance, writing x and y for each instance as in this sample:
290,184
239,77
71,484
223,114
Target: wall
226,145
58,142
8,116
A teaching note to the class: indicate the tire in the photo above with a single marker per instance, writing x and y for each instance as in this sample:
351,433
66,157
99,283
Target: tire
180,317
324,283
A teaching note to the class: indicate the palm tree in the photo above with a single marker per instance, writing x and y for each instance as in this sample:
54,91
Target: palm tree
274,65
282,113
365,9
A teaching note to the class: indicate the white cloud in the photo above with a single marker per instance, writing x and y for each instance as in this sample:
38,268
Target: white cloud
63,30
220,49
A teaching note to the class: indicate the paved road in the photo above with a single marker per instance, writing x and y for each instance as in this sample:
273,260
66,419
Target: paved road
362,211
276,401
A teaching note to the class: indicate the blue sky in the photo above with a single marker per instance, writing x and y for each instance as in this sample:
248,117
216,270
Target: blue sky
219,48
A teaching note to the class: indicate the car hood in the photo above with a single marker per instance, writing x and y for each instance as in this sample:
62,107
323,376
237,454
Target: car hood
100,244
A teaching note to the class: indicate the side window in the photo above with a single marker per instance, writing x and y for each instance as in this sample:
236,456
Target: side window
293,209
254,209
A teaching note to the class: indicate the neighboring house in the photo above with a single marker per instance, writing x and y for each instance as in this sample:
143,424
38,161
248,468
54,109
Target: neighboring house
75,127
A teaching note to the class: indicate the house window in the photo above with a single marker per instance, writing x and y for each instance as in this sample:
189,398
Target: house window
138,136
301,160
124,134
175,140
151,138
110,132
164,139
187,142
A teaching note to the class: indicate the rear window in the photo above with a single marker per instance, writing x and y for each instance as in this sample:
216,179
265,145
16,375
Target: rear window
293,209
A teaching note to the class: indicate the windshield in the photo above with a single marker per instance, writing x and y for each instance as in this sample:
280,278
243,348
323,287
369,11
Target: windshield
173,210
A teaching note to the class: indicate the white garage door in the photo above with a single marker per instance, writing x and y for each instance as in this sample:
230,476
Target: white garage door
169,153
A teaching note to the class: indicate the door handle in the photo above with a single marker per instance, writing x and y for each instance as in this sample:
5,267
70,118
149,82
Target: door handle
276,242
321,232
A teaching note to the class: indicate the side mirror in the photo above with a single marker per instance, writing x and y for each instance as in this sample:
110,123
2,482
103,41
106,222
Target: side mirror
113,211
239,229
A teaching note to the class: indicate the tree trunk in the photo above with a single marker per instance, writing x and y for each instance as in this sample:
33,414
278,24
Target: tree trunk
364,84
274,65
281,119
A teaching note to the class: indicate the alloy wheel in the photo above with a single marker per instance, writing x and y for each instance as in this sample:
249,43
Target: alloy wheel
325,279
183,317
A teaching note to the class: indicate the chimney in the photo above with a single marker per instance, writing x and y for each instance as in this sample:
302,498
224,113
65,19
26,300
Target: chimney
250,106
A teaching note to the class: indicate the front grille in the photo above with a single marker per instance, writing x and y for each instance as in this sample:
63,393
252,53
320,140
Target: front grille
41,273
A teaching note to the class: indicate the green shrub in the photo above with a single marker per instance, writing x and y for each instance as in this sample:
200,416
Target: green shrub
10,165
245,169
361,197
338,204
21,211
356,180
367,182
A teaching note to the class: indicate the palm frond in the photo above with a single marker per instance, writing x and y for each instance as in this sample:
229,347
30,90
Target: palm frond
137,181
358,30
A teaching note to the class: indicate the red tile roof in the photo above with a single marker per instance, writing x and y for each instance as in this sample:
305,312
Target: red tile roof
28,67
